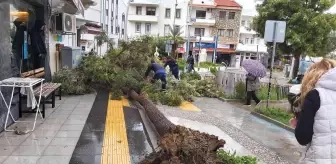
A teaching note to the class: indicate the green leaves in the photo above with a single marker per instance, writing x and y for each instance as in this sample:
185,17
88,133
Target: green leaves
232,158
308,27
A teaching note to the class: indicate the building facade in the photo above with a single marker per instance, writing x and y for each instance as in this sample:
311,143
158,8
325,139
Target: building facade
250,46
156,17
214,26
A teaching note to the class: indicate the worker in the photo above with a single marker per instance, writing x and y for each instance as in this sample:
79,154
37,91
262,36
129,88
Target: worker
173,66
159,73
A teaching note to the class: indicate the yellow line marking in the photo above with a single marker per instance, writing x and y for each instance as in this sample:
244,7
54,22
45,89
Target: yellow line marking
125,101
188,106
115,147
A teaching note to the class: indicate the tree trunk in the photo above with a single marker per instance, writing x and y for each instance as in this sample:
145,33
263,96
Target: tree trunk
161,123
296,65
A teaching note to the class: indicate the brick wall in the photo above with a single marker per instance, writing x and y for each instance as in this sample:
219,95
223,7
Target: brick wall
227,24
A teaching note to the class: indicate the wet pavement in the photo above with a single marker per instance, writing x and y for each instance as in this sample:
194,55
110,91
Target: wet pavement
101,142
270,143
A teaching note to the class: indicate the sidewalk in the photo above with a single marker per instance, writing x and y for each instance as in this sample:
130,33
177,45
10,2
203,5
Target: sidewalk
271,144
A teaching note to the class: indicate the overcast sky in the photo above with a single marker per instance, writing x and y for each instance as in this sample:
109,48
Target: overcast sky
249,7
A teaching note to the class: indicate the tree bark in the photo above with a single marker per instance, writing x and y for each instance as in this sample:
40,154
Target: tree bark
296,65
161,123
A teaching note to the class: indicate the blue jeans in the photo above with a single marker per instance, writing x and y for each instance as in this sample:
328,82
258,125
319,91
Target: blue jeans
162,78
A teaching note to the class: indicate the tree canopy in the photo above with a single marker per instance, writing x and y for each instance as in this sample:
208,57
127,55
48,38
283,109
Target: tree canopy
308,26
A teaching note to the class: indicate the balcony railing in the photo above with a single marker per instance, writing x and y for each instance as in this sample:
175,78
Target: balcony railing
143,18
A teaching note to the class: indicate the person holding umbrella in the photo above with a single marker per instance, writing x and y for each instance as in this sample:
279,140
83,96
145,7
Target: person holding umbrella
255,70
252,85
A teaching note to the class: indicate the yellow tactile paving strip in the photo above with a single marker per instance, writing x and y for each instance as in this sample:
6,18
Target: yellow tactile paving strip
115,147
188,106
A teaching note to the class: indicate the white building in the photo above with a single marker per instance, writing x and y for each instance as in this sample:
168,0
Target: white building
250,46
102,15
155,17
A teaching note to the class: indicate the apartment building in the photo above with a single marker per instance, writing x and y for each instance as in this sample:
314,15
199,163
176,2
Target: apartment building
210,20
251,45
156,17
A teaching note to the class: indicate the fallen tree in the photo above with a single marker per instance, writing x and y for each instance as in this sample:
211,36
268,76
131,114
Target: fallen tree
178,144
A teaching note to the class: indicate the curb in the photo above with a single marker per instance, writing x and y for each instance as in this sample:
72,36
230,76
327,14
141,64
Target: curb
263,101
268,119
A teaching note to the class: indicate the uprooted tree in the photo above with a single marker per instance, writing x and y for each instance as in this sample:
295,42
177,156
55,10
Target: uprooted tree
121,71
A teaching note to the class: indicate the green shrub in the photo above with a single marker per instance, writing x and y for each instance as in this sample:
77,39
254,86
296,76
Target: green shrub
190,76
214,70
182,64
276,113
232,158
171,98
116,94
73,81
208,64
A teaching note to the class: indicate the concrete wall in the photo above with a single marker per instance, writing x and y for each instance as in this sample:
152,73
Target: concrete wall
6,69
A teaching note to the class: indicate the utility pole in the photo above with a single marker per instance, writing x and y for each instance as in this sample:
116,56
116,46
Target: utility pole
188,28
215,50
174,28
199,51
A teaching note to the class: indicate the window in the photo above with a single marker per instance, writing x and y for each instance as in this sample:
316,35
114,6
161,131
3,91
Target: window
138,10
252,40
243,23
148,28
167,14
122,31
229,32
199,31
221,32
111,27
166,30
200,14
178,13
246,40
150,11
177,27
123,17
232,15
138,27
106,27
107,12
222,15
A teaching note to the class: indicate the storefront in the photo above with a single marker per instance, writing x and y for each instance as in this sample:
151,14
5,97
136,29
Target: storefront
22,42
224,52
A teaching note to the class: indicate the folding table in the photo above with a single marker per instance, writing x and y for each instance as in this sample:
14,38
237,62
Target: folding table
18,82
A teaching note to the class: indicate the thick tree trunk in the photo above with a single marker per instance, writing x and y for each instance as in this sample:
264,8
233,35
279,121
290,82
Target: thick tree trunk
161,123
296,65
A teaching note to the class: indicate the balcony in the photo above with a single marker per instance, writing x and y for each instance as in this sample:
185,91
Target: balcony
203,21
203,38
143,18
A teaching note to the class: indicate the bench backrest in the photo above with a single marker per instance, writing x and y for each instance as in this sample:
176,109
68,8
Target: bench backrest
36,73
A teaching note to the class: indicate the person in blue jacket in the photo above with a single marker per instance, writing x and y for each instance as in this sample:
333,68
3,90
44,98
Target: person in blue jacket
173,66
160,73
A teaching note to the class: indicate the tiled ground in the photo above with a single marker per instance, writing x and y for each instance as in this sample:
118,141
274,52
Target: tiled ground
54,138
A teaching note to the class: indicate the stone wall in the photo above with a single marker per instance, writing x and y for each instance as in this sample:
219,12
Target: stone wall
227,24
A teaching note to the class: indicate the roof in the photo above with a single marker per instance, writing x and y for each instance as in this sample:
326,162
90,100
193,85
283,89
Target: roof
227,3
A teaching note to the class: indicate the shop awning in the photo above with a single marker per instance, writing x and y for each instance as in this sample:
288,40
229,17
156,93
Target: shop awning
219,50
251,48
87,29
180,50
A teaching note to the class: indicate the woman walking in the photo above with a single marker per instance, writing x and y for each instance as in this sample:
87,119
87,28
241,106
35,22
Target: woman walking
315,125
252,85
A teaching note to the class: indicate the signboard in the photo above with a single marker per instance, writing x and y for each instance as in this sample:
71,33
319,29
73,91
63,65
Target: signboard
275,31
227,46
205,45
168,48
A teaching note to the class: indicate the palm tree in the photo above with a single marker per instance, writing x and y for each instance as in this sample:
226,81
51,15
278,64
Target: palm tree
175,35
